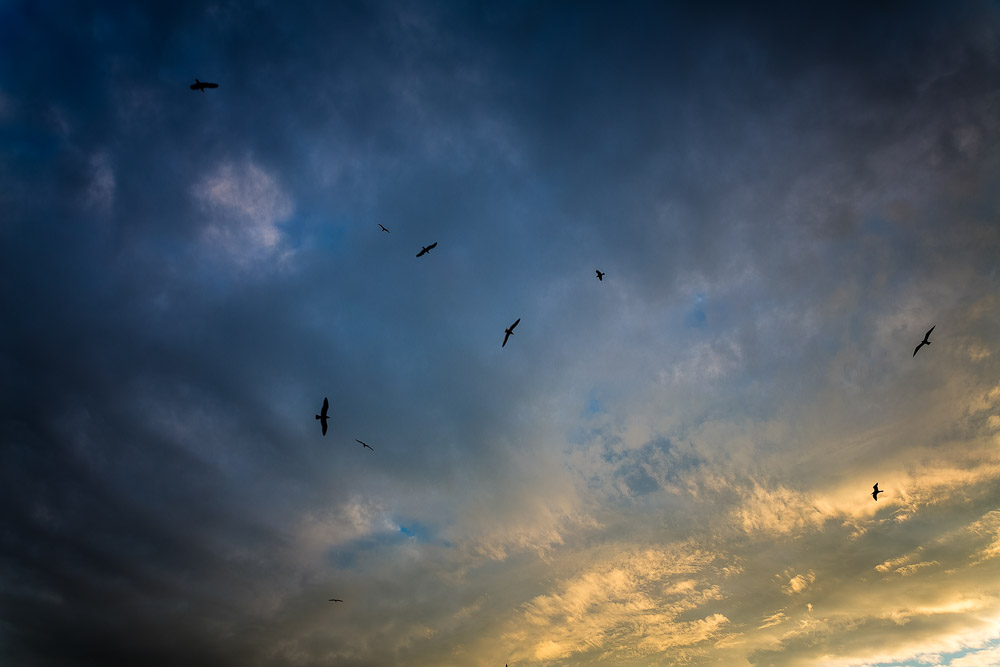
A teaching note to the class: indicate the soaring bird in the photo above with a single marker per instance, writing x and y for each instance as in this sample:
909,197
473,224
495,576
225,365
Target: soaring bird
426,249
876,491
925,341
334,600
600,276
322,414
383,228
365,444
201,85
508,332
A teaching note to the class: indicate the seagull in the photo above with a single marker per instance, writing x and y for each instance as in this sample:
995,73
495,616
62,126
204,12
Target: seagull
201,85
925,341
427,248
365,444
383,228
508,332
876,491
334,600
600,276
322,414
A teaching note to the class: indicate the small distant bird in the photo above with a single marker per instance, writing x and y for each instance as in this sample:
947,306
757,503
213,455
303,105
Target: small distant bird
876,491
365,444
383,228
334,600
202,85
322,414
426,249
925,341
600,276
508,332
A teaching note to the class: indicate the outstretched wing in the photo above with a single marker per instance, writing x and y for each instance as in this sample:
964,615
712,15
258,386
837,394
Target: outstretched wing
917,348
515,324
323,422
506,335
929,332
432,246
210,85
422,251
326,406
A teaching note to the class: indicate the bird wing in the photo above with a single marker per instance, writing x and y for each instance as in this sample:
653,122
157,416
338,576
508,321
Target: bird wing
359,442
422,251
326,406
929,332
195,86
432,246
506,335
515,324
210,85
917,348
323,422
875,487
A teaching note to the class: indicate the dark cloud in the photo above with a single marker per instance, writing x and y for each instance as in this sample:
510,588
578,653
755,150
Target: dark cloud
186,275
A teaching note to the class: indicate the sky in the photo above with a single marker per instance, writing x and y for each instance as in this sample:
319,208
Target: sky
672,465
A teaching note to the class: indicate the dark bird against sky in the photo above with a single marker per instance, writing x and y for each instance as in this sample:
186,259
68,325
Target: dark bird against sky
925,341
202,85
876,491
426,249
600,275
322,414
383,228
334,600
365,444
508,332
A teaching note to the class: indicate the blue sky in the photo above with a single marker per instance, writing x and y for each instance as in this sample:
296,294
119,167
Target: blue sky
669,466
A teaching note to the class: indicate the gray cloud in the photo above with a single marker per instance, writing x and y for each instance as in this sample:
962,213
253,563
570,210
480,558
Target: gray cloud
672,462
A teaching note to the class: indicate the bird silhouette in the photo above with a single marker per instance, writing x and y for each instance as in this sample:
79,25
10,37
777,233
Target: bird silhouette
876,491
925,341
322,414
508,332
383,228
426,249
334,600
202,85
365,444
600,276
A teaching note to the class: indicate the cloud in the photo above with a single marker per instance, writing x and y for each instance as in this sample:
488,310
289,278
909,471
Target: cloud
625,607
245,206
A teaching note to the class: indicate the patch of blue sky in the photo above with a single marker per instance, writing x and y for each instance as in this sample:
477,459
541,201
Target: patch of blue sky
943,659
350,555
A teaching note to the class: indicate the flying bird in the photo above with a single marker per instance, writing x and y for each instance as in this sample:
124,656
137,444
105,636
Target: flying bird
383,228
202,85
365,444
876,491
600,276
508,332
925,341
426,249
322,414
334,600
